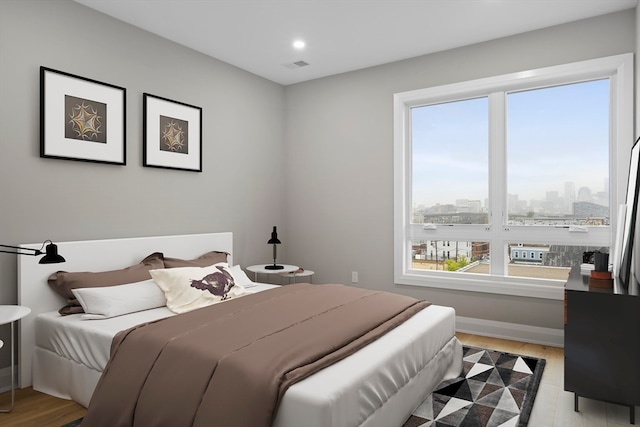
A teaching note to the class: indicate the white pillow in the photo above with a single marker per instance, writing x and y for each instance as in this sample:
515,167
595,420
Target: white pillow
111,301
188,288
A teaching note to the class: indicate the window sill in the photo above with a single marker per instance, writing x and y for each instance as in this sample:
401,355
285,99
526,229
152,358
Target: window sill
487,284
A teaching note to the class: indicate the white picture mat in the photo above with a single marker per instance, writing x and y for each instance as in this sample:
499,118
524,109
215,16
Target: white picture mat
56,86
155,108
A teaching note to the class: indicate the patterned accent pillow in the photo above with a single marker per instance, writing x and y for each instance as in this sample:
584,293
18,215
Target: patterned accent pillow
188,288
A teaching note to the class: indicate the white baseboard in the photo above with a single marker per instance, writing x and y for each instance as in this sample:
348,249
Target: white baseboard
5,379
511,331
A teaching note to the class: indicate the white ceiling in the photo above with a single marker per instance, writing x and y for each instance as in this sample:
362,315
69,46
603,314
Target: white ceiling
340,35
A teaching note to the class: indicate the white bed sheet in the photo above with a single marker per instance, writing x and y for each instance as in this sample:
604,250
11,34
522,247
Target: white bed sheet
71,353
88,342
350,391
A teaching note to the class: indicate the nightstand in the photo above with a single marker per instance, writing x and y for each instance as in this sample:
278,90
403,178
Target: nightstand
261,269
294,274
11,314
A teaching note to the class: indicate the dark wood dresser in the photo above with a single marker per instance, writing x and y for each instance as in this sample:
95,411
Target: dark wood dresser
602,342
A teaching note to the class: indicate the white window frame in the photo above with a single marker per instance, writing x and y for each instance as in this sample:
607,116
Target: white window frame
618,68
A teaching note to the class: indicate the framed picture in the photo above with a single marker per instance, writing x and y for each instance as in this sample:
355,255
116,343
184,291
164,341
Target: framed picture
629,231
172,134
81,119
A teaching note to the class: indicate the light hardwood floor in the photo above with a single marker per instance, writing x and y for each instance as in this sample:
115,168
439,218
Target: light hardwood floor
553,406
35,409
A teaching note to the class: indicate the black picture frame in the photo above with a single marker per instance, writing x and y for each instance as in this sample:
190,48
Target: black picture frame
81,119
631,218
172,134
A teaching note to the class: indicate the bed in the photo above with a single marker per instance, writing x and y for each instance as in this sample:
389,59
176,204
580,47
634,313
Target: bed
379,385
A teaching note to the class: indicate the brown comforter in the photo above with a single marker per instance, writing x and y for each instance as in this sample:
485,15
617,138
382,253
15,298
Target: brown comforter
230,364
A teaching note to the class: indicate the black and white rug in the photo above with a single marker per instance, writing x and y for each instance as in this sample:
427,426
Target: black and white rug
495,389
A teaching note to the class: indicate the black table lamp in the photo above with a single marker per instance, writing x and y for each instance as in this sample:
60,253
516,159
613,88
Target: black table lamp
274,241
51,255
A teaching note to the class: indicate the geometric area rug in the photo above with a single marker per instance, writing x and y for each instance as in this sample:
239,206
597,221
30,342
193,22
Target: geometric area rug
495,389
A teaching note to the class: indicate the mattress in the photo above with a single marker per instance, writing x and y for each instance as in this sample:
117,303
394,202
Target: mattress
417,354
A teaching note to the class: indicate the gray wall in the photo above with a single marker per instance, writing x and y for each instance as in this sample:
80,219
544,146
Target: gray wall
313,158
340,155
241,188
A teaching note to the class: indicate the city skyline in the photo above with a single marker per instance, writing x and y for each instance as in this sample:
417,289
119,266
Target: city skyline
583,194
553,135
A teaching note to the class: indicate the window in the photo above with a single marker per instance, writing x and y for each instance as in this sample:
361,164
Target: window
520,173
552,133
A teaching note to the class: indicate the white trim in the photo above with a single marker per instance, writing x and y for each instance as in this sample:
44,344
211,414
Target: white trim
619,68
511,331
502,285
576,71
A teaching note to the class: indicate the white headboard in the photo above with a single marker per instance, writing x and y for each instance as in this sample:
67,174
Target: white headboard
95,255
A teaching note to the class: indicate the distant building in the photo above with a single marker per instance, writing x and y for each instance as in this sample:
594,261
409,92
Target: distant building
569,196
468,206
456,218
438,250
564,255
584,194
590,210
528,253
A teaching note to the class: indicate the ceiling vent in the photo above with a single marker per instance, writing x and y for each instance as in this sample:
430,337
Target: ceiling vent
297,64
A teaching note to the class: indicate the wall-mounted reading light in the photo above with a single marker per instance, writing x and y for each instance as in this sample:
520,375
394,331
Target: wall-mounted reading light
51,255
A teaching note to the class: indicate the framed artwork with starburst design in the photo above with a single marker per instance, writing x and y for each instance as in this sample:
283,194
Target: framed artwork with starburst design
172,134
81,119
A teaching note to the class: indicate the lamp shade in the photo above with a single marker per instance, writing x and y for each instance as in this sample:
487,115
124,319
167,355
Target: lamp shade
52,256
274,238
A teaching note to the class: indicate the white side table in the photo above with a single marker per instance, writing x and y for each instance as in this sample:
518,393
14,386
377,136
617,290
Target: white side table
11,314
292,276
261,269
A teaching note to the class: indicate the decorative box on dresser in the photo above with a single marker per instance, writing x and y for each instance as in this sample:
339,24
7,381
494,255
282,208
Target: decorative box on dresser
602,342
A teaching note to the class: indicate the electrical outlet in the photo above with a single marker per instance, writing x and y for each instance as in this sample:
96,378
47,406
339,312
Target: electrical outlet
354,277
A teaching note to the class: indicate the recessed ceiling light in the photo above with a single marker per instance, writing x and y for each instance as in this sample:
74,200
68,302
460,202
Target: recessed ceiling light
298,44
